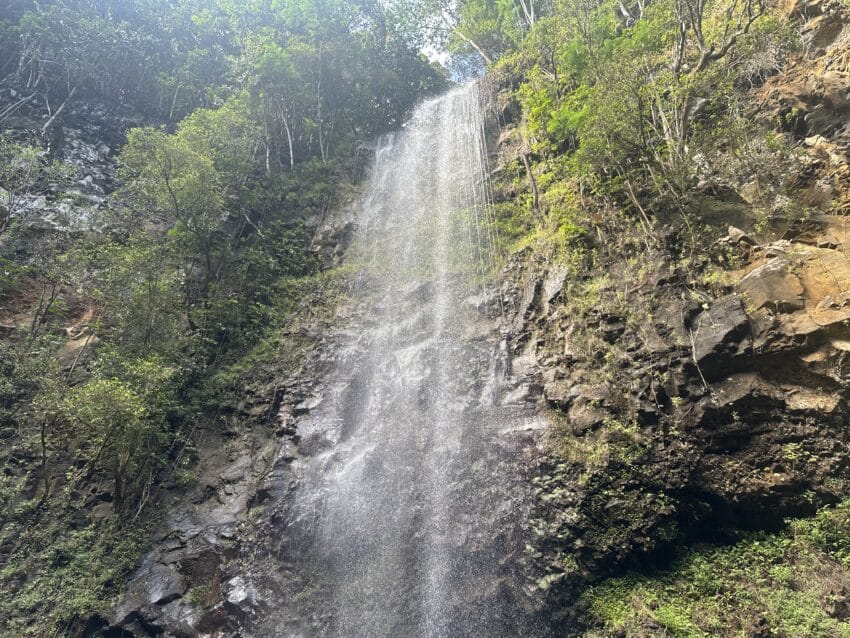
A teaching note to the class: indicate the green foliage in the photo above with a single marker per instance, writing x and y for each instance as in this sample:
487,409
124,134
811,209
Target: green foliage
171,178
83,568
135,284
140,329
228,136
214,199
609,116
829,532
783,578
633,120
120,424
301,304
170,59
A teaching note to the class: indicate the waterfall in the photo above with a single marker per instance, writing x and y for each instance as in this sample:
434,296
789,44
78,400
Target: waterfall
406,515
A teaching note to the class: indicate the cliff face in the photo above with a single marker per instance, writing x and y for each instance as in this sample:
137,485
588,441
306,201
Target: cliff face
683,415
669,393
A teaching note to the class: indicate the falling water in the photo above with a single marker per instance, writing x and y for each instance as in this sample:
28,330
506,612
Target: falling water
405,516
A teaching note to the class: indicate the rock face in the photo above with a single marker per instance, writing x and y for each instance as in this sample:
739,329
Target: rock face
773,287
684,418
719,334
705,419
90,136
668,416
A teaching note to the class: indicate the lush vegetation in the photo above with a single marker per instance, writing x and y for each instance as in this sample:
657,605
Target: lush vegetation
326,69
791,584
641,107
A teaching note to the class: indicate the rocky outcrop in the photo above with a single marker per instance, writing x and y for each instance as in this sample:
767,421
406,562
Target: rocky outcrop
200,577
682,415
85,141
696,420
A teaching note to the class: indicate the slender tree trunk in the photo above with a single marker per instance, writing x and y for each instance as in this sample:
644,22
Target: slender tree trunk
173,102
45,478
58,112
487,59
43,308
319,110
288,139
14,107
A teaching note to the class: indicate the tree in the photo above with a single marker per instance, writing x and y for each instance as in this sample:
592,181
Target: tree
696,48
122,424
180,187
135,284
490,28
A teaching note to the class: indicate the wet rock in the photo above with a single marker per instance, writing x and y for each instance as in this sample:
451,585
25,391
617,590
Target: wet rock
826,273
522,393
158,585
238,590
742,393
332,239
419,292
778,248
554,283
611,329
223,619
559,393
823,147
774,334
304,407
313,444
527,305
817,403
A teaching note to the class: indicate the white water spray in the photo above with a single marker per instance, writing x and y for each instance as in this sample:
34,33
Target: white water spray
411,520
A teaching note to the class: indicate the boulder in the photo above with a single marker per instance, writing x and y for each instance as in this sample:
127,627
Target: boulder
773,286
718,333
736,236
158,586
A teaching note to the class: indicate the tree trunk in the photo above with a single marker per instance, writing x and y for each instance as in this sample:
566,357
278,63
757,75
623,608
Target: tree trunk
173,102
487,59
58,112
288,139
535,193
